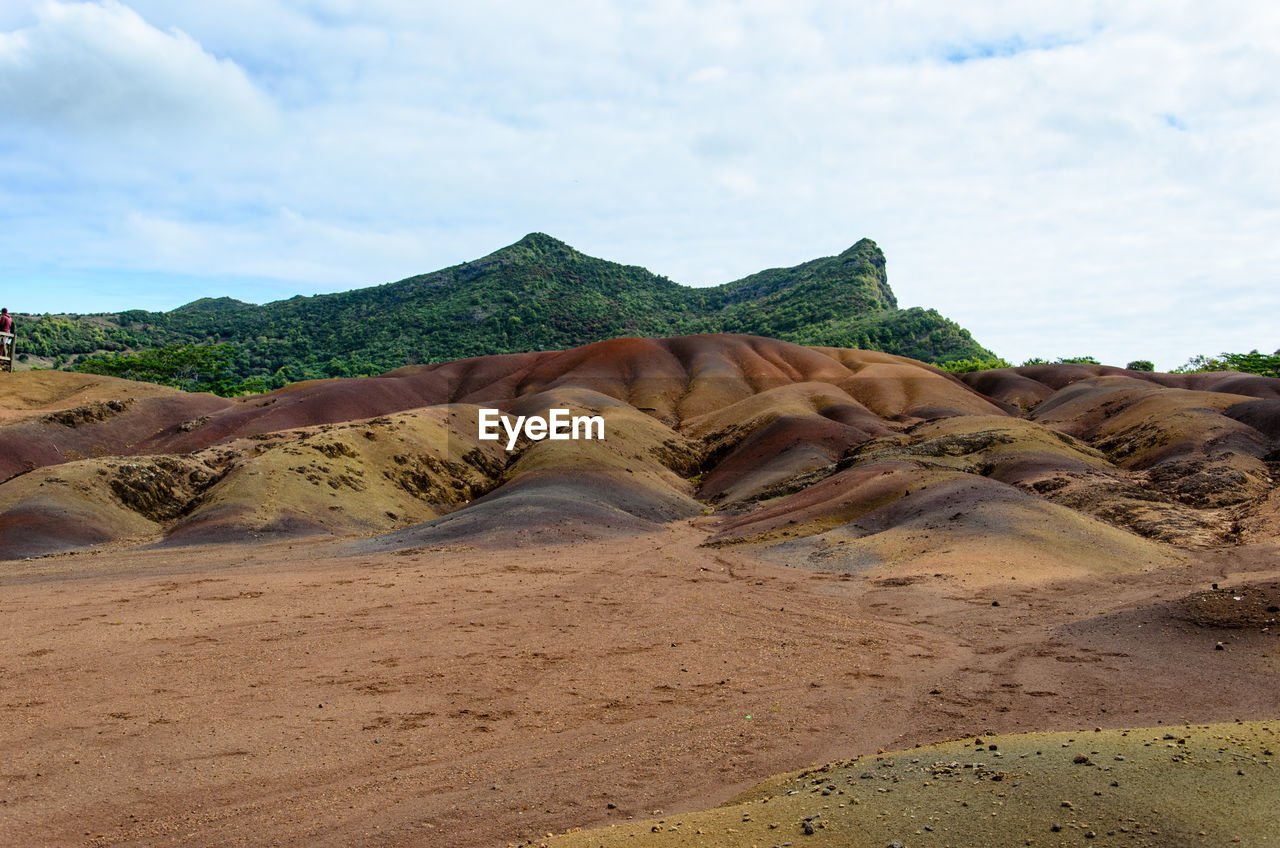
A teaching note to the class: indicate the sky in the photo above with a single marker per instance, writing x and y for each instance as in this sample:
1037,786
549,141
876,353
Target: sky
1062,179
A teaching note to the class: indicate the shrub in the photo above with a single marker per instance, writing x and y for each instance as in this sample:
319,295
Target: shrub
965,366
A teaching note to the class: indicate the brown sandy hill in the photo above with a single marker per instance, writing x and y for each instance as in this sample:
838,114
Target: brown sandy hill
32,394
57,417
645,388
671,379
1209,784
342,479
558,491
1106,462
828,458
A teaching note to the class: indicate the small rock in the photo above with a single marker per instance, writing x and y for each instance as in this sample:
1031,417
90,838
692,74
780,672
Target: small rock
1219,647
808,828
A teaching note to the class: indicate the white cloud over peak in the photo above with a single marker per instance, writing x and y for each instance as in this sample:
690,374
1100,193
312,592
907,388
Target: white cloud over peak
1059,178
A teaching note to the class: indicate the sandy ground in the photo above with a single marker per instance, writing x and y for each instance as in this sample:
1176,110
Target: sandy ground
289,694
1192,785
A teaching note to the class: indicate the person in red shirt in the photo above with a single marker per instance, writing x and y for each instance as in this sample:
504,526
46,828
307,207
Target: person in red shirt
6,326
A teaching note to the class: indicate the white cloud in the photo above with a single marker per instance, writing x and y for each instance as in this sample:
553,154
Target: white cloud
1061,179
95,67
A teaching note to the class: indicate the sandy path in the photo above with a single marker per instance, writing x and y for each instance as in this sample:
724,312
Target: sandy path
284,695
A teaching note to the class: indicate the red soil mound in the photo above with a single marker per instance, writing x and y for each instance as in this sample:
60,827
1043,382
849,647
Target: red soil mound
736,420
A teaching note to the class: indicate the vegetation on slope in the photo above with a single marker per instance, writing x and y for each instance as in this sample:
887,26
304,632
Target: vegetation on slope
1253,362
537,294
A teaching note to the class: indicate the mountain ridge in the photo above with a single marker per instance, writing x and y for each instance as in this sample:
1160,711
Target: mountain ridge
538,293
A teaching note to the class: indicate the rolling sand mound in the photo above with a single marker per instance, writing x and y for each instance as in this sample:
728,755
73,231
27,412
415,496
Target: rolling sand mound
342,480
350,479
118,425
1195,785
32,394
558,491
894,514
845,458
768,438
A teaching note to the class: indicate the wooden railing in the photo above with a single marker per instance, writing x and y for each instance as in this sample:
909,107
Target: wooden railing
7,343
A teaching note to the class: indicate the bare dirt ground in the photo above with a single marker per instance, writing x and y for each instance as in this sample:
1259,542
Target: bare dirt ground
295,694
1154,787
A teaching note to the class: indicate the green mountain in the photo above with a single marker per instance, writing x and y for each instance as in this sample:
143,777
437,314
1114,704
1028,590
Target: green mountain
537,294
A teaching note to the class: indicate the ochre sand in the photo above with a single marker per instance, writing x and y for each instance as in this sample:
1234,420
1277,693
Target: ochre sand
1211,784
294,694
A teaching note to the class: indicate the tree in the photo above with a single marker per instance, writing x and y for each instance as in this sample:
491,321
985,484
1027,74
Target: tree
965,366
194,368
1268,365
1141,365
1253,362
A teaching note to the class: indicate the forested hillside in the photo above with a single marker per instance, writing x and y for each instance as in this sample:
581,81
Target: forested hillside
537,294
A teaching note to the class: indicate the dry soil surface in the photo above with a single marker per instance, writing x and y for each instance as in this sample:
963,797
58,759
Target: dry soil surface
295,694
